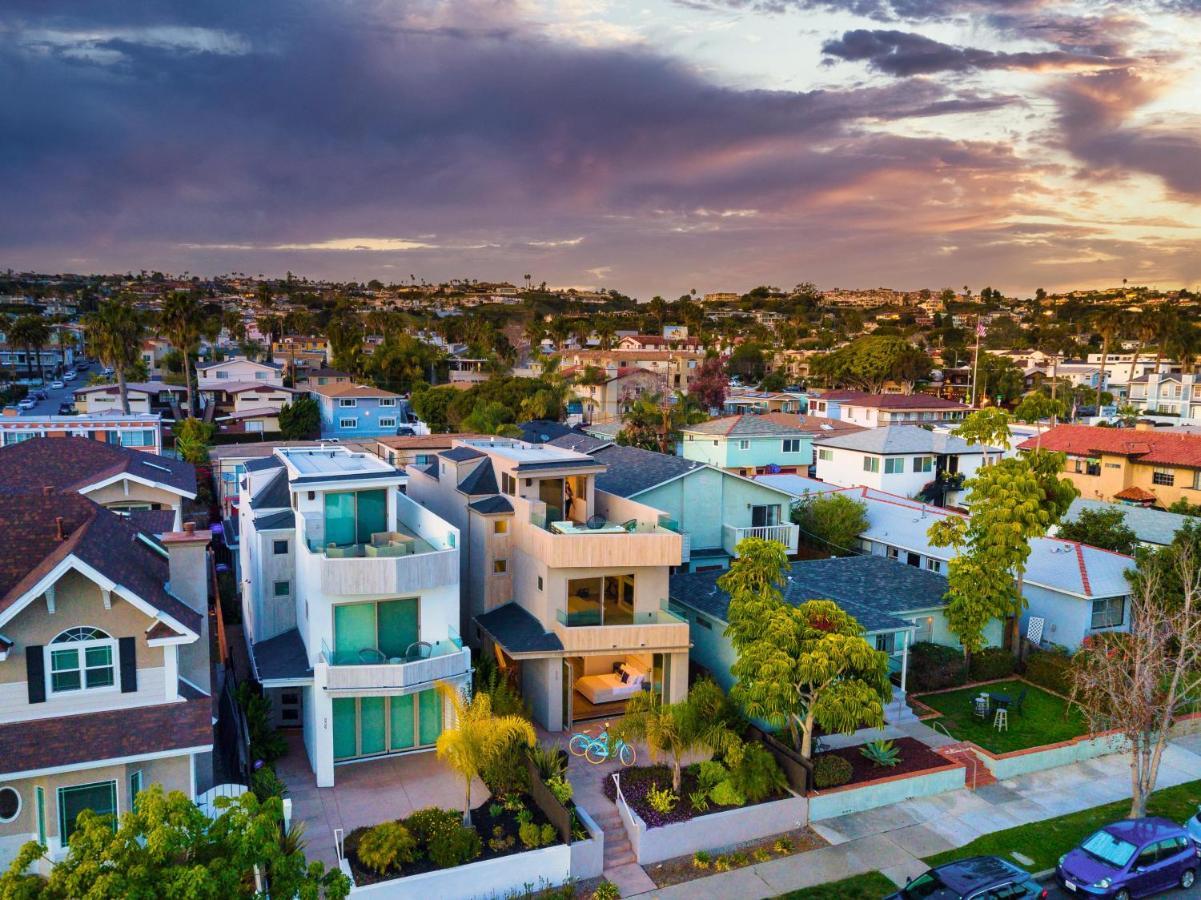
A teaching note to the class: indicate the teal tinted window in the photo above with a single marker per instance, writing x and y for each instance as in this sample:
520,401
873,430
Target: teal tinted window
100,798
397,626
372,514
339,519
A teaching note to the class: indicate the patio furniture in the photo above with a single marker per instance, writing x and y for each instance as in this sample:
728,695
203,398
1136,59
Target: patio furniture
1001,701
980,707
418,650
1016,706
371,656
1001,719
630,525
595,522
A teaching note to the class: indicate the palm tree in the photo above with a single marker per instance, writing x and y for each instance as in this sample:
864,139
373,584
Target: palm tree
606,330
1147,329
181,322
699,722
1184,343
1165,323
1108,324
32,333
114,333
478,738
66,341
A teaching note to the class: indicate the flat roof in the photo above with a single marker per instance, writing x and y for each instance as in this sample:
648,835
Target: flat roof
331,461
525,454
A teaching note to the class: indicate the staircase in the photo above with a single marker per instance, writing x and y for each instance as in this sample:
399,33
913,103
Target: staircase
618,850
977,775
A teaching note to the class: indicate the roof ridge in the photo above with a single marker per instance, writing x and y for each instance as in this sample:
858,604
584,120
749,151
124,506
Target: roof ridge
1088,591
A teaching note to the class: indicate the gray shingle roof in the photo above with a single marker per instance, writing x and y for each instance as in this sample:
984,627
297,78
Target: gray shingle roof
745,425
1151,526
276,521
875,590
543,431
282,657
518,631
900,439
492,505
275,495
459,454
580,443
633,471
480,480
261,465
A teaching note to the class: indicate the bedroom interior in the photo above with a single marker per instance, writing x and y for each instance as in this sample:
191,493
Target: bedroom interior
602,685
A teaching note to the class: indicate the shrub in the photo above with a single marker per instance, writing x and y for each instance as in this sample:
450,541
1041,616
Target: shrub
757,775
831,770
507,772
561,788
500,842
699,800
991,663
701,859
495,809
710,773
524,816
428,823
762,854
725,794
265,783
1050,670
782,845
549,760
534,836
882,753
453,848
388,845
606,890
933,667
721,864
661,800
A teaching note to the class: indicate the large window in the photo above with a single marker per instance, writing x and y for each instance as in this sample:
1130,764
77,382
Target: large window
871,464
81,659
791,445
374,632
100,797
608,600
351,517
1109,612
1165,477
370,726
894,465
765,516
923,463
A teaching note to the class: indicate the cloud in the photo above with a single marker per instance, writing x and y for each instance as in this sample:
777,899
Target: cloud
905,53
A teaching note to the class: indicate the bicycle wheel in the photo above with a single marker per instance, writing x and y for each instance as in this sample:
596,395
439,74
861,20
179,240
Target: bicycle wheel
597,752
626,755
578,745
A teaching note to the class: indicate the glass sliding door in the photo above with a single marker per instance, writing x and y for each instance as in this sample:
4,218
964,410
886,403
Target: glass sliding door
351,517
403,719
346,728
429,708
397,626
339,519
372,514
372,726
388,626
601,601
354,631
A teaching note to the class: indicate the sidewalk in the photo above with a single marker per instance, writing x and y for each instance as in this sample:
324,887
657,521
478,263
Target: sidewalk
893,839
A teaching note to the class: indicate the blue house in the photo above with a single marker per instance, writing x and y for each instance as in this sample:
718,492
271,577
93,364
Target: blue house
758,443
350,411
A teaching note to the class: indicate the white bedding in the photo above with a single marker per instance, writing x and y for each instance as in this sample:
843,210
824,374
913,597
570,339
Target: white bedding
607,688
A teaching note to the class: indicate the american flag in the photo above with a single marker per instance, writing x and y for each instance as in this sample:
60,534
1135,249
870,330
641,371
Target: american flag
980,329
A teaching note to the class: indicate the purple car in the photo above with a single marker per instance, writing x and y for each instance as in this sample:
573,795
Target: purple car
1131,858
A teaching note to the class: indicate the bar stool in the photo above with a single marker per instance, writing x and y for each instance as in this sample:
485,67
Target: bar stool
1001,720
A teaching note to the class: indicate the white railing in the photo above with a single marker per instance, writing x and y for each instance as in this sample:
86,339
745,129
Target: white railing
784,534
415,674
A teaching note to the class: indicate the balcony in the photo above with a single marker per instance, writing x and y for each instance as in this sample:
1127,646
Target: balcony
784,534
449,660
653,630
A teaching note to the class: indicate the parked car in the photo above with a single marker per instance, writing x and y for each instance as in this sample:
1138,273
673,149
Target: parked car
69,376
82,366
1131,858
1193,827
40,394
57,385
66,408
977,878
27,403
405,431
107,371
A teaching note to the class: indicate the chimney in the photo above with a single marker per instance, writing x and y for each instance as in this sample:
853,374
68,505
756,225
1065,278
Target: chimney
188,579
58,529
47,490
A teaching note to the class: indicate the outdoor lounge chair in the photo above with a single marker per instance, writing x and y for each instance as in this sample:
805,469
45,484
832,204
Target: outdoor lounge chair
1016,706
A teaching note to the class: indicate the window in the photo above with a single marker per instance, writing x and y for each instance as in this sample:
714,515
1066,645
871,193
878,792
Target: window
136,438
387,401
135,787
871,464
100,797
934,565
825,455
1197,480
500,566
279,548
1166,477
348,423
791,445
744,445
607,600
351,517
81,659
260,376
923,463
16,438
281,588
10,804
894,465
508,484
222,375
892,553
539,582
423,459
387,423
347,402
1109,612
765,516
886,643
500,526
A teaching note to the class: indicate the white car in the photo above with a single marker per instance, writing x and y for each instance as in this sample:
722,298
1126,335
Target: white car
106,372
27,403
57,385
69,376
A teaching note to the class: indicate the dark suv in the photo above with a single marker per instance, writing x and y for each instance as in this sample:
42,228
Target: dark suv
976,878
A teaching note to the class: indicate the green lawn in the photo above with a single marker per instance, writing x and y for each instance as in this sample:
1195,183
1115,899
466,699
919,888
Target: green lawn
1042,720
868,886
1045,842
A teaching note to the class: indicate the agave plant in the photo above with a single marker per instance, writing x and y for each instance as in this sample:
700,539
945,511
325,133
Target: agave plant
882,753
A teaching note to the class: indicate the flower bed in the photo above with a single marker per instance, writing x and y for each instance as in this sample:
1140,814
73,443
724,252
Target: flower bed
485,819
915,757
637,783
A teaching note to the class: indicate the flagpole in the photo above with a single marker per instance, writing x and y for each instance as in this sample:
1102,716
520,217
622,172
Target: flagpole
976,362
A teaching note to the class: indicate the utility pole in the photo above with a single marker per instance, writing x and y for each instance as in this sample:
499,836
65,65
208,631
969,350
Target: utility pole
976,361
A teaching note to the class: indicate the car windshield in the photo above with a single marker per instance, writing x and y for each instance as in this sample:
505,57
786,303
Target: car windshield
1109,849
927,886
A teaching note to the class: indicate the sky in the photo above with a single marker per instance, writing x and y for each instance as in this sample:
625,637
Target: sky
653,147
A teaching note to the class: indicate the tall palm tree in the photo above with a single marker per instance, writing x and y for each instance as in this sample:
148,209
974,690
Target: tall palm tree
1184,343
32,333
1147,329
478,737
66,341
114,333
1108,323
182,322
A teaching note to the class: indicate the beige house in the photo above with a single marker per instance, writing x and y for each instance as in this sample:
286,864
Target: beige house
675,366
607,393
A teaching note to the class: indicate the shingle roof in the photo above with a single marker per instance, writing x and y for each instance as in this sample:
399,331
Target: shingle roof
424,441
263,464
275,495
74,463
875,590
152,521
542,431
518,631
900,439
1152,526
460,454
480,480
1168,448
633,471
891,401
747,425
348,390
276,521
282,657
579,442
492,505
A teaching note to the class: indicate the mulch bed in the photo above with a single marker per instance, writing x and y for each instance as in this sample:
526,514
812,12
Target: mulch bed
636,782
915,757
481,819
736,856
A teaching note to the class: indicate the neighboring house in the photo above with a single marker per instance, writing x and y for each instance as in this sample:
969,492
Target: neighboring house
17,359
565,582
1151,527
752,444
139,431
900,459
154,354
891,601
146,398
320,377
350,604
743,400
233,400
292,348
150,489
1135,465
357,411
676,367
104,666
876,410
418,449
617,389
237,369
1167,394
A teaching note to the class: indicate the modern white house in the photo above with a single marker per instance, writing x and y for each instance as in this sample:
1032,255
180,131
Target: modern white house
350,600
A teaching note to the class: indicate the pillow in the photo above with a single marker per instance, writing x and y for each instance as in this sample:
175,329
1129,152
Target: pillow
625,677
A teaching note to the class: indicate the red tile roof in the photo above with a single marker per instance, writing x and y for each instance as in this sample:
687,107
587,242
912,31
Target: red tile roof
1135,494
1154,447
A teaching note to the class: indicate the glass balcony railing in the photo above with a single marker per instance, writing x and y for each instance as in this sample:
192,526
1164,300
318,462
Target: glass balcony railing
593,618
373,656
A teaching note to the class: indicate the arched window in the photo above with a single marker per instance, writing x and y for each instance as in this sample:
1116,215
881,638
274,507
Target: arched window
81,658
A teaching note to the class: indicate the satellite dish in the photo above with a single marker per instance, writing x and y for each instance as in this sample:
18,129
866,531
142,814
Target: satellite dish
937,375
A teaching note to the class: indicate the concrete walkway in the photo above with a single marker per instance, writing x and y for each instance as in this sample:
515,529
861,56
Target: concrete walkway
893,839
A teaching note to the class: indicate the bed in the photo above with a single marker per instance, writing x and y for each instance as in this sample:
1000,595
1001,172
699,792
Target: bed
609,688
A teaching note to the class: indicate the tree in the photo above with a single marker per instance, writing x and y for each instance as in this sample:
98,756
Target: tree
747,362
870,362
478,738
181,322
1109,323
1034,409
192,440
986,428
114,333
699,722
1139,683
653,421
431,404
1104,528
999,377
709,384
66,341
798,666
833,520
32,333
167,847
300,420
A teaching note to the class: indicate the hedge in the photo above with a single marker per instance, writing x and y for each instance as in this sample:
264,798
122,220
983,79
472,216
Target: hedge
992,663
1050,670
933,667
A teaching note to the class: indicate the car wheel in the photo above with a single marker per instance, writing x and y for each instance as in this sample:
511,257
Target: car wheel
1123,894
1187,877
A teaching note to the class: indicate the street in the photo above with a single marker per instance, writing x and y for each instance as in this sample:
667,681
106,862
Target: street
55,396
1055,892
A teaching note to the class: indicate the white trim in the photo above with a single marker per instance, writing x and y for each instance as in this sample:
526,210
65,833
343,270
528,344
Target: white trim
100,763
145,482
286,682
171,673
194,686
